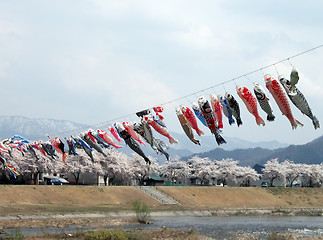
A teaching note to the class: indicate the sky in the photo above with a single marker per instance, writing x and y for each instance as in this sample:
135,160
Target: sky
95,61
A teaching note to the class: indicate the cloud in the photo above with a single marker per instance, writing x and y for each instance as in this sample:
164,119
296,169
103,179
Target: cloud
4,65
110,58
119,80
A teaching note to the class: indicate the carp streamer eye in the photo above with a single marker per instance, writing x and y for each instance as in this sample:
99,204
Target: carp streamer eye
275,85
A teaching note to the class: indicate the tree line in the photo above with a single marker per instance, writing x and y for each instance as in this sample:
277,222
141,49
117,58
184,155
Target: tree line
133,170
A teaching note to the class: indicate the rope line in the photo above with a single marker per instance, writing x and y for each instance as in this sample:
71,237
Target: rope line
205,89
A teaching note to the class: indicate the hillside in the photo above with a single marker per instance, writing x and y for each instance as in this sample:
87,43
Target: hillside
35,128
310,153
62,199
208,143
248,153
51,199
246,157
231,198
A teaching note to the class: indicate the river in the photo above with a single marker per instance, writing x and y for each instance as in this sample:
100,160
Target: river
218,227
228,227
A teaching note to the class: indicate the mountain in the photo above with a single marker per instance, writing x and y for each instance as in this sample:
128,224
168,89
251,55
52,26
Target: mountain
246,157
36,128
309,153
208,143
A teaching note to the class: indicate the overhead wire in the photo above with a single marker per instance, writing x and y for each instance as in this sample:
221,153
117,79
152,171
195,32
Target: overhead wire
203,90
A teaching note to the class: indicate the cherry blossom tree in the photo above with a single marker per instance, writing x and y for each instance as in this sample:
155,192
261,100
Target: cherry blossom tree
115,166
28,164
273,170
33,162
227,170
141,170
77,164
128,170
202,169
313,174
246,175
7,159
175,170
292,171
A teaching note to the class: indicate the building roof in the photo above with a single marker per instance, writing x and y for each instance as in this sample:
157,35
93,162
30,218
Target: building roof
155,177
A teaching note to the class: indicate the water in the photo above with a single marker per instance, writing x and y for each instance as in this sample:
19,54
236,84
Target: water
217,227
224,227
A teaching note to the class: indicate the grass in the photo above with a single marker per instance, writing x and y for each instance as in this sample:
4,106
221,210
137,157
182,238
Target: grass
13,235
302,212
65,222
142,211
238,197
280,211
121,234
162,233
19,200
115,234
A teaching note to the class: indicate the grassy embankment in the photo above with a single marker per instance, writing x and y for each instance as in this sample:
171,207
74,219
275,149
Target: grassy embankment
78,199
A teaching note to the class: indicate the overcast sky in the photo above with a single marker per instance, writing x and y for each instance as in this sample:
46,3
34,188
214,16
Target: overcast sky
93,61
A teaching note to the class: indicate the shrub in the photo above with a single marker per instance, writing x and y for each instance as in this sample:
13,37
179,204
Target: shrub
115,234
106,234
141,210
280,236
136,235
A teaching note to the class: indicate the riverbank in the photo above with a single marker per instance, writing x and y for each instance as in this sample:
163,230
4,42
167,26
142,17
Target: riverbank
64,209
64,206
178,227
33,200
120,218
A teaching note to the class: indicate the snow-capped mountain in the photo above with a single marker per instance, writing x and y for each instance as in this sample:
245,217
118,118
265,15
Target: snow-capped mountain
36,128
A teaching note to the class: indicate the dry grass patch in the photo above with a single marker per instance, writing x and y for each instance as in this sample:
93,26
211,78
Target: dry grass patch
223,198
63,223
299,197
35,199
26,199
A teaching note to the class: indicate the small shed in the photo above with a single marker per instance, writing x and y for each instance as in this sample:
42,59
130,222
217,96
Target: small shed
154,180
